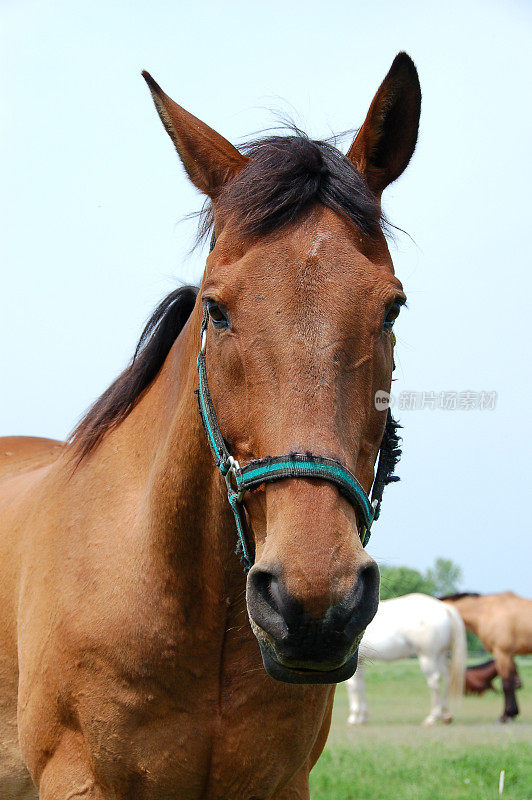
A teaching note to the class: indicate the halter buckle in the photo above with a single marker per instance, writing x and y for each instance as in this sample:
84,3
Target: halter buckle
233,468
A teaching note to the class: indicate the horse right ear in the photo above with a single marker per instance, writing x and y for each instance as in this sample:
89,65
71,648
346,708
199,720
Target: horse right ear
386,141
209,159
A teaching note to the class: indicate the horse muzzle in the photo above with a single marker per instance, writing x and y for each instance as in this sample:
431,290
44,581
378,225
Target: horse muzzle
298,647
292,674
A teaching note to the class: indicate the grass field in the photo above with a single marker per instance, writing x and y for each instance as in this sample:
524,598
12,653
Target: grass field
394,758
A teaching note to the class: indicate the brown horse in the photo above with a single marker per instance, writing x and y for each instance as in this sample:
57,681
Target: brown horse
128,666
479,678
503,623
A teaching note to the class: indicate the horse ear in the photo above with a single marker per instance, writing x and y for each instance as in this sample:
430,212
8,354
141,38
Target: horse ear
209,159
386,141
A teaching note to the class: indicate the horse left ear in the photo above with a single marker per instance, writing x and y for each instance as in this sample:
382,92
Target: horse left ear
209,159
386,141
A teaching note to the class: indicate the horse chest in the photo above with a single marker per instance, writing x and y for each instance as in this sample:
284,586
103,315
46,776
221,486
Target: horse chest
195,721
240,743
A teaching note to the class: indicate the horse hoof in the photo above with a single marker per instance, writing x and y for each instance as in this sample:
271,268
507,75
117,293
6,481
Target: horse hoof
427,723
447,720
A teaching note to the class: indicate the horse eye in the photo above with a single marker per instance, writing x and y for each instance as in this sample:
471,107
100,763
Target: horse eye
218,317
391,316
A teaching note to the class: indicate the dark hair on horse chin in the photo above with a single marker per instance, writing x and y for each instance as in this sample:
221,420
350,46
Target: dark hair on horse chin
286,176
157,338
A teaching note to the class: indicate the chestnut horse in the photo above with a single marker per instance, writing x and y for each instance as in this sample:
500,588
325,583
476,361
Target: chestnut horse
479,678
128,664
503,623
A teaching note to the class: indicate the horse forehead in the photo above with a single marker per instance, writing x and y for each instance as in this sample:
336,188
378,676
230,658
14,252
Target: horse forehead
319,247
308,277
327,278
314,278
328,259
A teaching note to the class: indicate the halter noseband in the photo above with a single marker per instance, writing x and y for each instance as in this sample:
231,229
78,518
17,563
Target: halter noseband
294,465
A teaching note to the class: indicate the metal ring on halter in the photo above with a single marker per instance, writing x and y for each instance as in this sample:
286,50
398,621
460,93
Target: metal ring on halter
233,467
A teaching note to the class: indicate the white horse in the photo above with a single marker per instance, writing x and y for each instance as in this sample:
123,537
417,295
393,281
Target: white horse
414,624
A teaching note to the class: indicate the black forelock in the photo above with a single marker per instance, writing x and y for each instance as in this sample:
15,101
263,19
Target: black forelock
287,175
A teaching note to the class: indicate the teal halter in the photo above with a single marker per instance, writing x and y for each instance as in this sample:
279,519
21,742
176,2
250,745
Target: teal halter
294,465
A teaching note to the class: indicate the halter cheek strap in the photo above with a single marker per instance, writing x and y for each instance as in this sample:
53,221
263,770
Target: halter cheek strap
294,465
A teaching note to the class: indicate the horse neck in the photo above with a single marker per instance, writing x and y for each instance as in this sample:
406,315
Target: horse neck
191,521
470,609
161,452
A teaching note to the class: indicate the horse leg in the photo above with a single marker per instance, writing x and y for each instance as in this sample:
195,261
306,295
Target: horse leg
356,691
15,780
67,775
297,788
443,666
508,671
430,668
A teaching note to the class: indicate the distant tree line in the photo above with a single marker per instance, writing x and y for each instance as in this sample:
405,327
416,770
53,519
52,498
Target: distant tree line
444,577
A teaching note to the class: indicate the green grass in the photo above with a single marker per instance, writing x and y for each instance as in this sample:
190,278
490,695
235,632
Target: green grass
394,758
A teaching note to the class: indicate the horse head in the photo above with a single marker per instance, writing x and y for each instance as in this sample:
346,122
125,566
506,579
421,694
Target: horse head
301,298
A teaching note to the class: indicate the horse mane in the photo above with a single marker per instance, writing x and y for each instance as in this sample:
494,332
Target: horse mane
287,175
459,595
156,340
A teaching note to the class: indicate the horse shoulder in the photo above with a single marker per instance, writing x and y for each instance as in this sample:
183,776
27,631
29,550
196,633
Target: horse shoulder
497,627
517,624
23,461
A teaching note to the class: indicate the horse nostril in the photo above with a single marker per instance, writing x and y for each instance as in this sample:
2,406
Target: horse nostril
267,601
369,580
265,585
365,599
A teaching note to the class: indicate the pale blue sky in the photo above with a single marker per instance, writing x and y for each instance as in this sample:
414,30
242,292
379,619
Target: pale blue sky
92,191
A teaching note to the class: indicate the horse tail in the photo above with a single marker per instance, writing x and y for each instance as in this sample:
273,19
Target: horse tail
458,652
